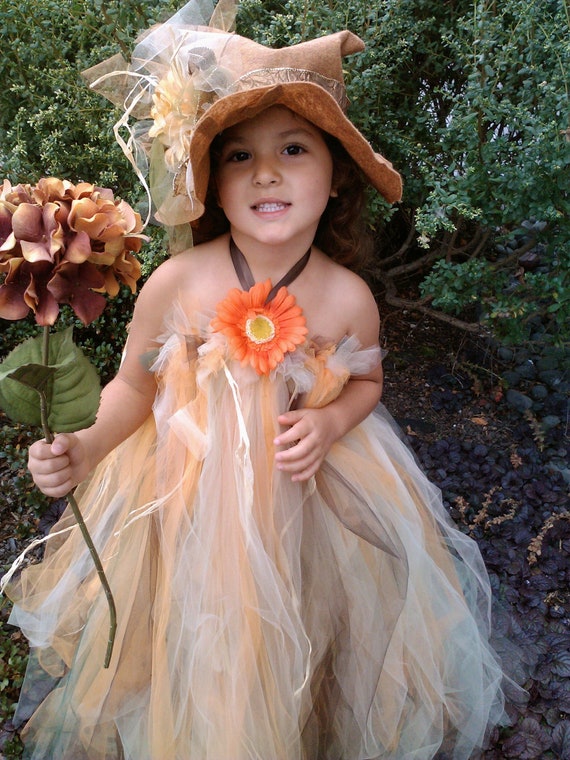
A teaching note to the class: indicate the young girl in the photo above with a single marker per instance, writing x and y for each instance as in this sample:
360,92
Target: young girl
287,582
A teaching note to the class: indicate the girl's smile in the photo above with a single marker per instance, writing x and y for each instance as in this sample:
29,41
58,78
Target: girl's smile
270,207
274,178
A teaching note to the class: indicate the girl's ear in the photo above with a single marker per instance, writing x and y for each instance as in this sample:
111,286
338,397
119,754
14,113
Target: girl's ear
334,191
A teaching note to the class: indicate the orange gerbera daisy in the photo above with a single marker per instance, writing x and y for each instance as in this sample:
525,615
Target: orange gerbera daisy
260,333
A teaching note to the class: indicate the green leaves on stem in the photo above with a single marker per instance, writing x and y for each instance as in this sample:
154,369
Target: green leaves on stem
68,380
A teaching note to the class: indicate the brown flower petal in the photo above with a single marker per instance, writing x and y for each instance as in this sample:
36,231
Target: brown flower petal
131,220
27,222
113,248
40,234
5,223
73,284
134,242
12,304
35,251
9,247
10,267
84,216
50,189
25,288
102,221
106,257
86,189
19,194
111,286
52,218
62,213
126,269
37,295
78,248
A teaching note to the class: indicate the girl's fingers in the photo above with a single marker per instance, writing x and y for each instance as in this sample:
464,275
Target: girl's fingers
49,466
299,450
298,461
306,473
292,435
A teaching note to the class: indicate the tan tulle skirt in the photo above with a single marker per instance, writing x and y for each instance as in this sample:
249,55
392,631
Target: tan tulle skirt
340,619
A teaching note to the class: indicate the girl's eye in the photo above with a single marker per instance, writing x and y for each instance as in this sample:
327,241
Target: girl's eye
238,156
294,150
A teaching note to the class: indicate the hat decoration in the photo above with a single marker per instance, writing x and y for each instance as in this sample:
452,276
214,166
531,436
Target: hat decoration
191,77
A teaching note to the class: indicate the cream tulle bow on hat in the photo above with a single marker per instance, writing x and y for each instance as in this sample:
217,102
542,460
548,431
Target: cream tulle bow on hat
192,77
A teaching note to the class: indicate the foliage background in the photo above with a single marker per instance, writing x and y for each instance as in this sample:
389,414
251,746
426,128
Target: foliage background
468,98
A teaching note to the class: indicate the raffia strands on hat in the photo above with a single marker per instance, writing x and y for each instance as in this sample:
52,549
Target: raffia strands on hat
187,84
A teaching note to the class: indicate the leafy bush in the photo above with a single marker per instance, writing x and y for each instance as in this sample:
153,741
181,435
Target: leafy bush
19,491
530,306
13,658
50,122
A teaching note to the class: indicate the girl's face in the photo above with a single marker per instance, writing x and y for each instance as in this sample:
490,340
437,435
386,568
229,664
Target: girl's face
274,178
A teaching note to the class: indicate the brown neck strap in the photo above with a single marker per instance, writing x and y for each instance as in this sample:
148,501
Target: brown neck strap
245,276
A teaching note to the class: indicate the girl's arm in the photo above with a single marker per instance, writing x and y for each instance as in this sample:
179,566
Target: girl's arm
312,432
125,402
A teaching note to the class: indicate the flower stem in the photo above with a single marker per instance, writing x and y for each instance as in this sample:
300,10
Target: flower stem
79,517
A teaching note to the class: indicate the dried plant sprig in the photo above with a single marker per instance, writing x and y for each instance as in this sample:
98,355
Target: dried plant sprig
534,549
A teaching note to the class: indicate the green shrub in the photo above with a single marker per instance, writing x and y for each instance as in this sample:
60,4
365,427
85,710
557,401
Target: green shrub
50,122
13,658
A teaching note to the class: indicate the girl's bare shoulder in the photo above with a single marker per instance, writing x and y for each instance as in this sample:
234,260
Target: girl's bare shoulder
343,299
201,258
338,280
199,272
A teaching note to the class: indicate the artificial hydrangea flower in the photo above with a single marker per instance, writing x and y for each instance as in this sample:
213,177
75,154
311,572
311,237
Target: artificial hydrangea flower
64,243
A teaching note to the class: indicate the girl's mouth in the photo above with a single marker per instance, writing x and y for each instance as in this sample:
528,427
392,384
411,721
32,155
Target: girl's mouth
268,207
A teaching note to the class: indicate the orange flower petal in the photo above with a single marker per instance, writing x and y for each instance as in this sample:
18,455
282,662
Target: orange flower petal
260,334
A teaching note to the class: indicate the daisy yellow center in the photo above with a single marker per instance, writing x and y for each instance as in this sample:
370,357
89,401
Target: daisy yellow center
260,329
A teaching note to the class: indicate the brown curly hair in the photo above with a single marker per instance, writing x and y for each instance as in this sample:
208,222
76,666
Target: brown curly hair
342,232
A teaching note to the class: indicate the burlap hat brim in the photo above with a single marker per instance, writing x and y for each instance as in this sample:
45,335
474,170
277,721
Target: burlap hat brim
306,99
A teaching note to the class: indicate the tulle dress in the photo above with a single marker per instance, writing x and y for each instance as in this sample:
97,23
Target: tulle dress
258,618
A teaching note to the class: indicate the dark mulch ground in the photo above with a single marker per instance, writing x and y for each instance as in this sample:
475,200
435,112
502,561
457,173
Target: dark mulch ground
500,475
496,468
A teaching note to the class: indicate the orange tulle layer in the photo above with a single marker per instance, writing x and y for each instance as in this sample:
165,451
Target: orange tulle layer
258,619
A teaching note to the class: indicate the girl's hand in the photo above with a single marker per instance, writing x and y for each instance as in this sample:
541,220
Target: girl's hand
58,467
309,438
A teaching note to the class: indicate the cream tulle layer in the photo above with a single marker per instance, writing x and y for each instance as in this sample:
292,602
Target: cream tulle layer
258,618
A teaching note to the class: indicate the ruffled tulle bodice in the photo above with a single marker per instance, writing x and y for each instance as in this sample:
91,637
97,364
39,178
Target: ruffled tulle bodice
258,618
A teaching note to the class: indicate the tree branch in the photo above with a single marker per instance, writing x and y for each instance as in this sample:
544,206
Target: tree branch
481,243
403,248
391,298
413,266
516,254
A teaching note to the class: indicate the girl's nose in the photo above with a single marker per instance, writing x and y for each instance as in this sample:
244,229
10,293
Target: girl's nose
265,173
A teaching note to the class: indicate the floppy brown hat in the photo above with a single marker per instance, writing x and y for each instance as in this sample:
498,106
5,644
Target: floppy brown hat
187,83
306,78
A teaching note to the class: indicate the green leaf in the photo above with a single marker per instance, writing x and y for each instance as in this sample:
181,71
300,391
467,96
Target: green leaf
35,376
70,383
